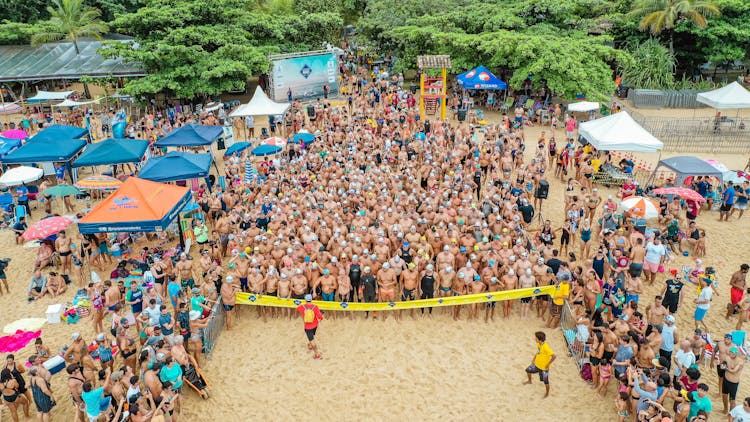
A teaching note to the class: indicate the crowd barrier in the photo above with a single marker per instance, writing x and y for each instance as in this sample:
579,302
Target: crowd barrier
265,300
576,348
214,328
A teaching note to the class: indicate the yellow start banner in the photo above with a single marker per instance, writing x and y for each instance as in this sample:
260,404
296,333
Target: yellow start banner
487,297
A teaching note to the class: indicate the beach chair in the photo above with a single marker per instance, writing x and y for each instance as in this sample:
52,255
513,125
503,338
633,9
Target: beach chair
529,104
6,202
507,105
20,211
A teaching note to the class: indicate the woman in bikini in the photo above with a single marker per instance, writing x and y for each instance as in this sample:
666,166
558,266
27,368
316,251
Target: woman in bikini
41,350
12,396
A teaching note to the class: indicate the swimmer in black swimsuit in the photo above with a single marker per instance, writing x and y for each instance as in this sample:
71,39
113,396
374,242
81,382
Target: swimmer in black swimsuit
427,284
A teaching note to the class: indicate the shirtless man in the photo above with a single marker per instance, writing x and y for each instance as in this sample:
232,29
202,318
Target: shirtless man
475,286
255,282
387,285
509,282
63,248
637,255
285,292
493,285
656,312
228,300
185,272
410,286
299,284
459,289
112,295
445,258
327,284
55,284
526,280
76,350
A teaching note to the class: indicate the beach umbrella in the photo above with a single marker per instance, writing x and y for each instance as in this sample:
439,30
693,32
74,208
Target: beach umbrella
735,176
583,106
14,134
46,227
100,182
640,207
251,173
718,165
21,175
275,141
307,138
237,147
684,193
263,150
62,190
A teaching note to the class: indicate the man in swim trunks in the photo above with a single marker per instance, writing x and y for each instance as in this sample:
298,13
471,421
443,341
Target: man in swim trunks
112,295
738,283
63,247
387,285
185,272
228,298
410,285
327,284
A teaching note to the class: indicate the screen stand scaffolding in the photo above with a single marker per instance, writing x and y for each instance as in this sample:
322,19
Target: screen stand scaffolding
432,90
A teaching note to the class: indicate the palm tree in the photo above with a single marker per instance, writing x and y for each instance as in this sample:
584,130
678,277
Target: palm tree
662,15
72,20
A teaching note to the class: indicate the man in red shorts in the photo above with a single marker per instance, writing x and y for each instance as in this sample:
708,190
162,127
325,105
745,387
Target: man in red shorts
738,282
311,316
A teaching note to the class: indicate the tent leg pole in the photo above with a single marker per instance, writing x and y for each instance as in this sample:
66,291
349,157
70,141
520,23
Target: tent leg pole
179,229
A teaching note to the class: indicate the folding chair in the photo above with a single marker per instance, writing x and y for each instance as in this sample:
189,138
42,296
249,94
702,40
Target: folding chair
20,211
6,202
507,105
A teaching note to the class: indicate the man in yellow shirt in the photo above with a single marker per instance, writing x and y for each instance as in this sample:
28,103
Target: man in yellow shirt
562,292
541,362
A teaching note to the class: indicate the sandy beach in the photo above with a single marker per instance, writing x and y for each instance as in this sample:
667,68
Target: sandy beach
373,370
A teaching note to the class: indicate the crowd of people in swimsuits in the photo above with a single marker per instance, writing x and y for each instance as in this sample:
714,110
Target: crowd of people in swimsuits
385,206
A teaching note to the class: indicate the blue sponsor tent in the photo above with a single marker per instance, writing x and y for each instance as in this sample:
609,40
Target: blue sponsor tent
176,166
7,145
480,78
192,135
58,132
112,151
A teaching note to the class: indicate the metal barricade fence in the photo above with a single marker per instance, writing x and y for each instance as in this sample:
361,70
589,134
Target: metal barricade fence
214,328
576,348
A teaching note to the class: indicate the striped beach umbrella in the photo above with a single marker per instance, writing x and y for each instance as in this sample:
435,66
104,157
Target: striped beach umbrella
251,173
100,182
275,141
641,207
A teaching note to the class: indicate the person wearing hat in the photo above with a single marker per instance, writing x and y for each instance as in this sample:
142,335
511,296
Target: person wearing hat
311,316
228,299
732,366
76,350
669,338
104,351
703,302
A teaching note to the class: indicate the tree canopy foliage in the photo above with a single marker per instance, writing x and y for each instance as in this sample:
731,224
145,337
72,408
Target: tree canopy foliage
193,47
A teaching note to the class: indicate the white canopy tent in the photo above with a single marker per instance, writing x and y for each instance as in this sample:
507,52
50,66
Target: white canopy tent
731,96
71,103
49,96
583,106
619,132
260,105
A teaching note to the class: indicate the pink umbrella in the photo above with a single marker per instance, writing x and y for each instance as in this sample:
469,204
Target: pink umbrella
275,141
718,165
14,134
684,193
45,228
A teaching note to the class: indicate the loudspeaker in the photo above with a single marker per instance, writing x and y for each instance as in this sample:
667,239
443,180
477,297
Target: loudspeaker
542,190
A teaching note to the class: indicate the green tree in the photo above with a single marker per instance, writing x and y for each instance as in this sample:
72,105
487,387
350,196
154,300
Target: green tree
71,20
652,66
662,15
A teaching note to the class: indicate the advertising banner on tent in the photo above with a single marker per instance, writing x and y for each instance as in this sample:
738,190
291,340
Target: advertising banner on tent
304,76
228,136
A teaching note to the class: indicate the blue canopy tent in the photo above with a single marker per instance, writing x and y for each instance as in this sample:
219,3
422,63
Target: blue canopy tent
307,138
480,78
112,151
237,147
7,145
177,166
263,150
58,132
192,135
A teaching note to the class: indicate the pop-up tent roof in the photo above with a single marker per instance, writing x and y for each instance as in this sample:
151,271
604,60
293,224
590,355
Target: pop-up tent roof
112,151
260,105
619,132
685,166
480,78
136,206
49,149
192,135
731,96
59,132
176,166
71,103
49,96
7,145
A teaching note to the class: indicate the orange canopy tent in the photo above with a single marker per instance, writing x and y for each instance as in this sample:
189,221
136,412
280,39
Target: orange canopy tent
136,206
